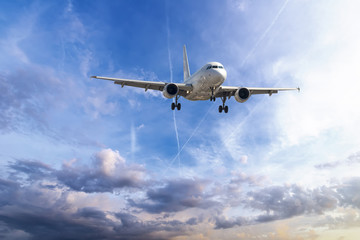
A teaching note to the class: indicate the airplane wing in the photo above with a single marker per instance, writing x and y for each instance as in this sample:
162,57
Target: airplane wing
225,91
183,88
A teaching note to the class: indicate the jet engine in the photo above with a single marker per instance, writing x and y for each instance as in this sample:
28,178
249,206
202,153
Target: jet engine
170,90
242,95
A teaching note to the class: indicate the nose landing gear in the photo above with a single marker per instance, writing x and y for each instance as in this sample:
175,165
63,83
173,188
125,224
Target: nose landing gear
212,97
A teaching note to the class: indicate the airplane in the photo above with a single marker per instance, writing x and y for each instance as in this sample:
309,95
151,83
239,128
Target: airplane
204,84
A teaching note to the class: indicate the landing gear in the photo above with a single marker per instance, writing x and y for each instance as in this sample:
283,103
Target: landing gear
176,104
223,106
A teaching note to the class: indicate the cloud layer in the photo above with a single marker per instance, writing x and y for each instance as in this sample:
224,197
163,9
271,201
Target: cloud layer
36,201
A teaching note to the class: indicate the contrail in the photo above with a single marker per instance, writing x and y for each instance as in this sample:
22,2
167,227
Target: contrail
192,134
265,33
171,80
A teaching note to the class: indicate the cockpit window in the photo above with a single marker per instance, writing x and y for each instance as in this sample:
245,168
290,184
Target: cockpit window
214,66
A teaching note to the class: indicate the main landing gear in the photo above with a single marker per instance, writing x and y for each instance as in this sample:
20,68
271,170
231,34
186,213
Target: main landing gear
176,104
223,106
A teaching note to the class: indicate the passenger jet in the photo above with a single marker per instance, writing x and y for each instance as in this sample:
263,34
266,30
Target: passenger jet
204,84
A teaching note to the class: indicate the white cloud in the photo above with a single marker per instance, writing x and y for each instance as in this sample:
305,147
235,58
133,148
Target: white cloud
108,161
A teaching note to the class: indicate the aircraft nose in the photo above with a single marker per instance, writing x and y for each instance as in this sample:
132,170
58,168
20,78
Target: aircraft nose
222,73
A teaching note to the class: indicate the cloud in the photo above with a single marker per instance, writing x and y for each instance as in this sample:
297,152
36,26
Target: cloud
108,172
241,177
33,170
280,202
344,218
35,201
223,223
39,206
176,195
352,159
27,212
350,193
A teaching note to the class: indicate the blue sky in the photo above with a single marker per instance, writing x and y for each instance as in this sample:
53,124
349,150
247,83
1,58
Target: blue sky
83,158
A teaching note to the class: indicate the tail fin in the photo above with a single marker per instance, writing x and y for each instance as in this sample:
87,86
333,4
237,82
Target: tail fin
186,65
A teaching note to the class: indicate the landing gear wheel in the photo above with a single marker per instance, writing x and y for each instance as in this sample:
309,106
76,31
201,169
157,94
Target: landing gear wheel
178,106
172,106
223,107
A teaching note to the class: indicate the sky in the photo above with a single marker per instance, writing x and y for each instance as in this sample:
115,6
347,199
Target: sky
84,158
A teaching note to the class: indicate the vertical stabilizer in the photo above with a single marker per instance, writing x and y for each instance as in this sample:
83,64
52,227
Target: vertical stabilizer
186,65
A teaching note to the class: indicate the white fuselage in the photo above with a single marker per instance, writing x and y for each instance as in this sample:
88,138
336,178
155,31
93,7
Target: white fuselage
209,77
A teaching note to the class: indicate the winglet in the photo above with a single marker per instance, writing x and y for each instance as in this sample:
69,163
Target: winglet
298,88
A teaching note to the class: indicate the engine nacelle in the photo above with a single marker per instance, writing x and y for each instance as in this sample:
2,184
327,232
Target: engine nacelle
170,90
242,95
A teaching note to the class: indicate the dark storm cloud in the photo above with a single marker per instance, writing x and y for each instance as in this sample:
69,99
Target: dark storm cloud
50,222
34,170
7,191
133,226
91,212
56,221
223,223
176,195
36,212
